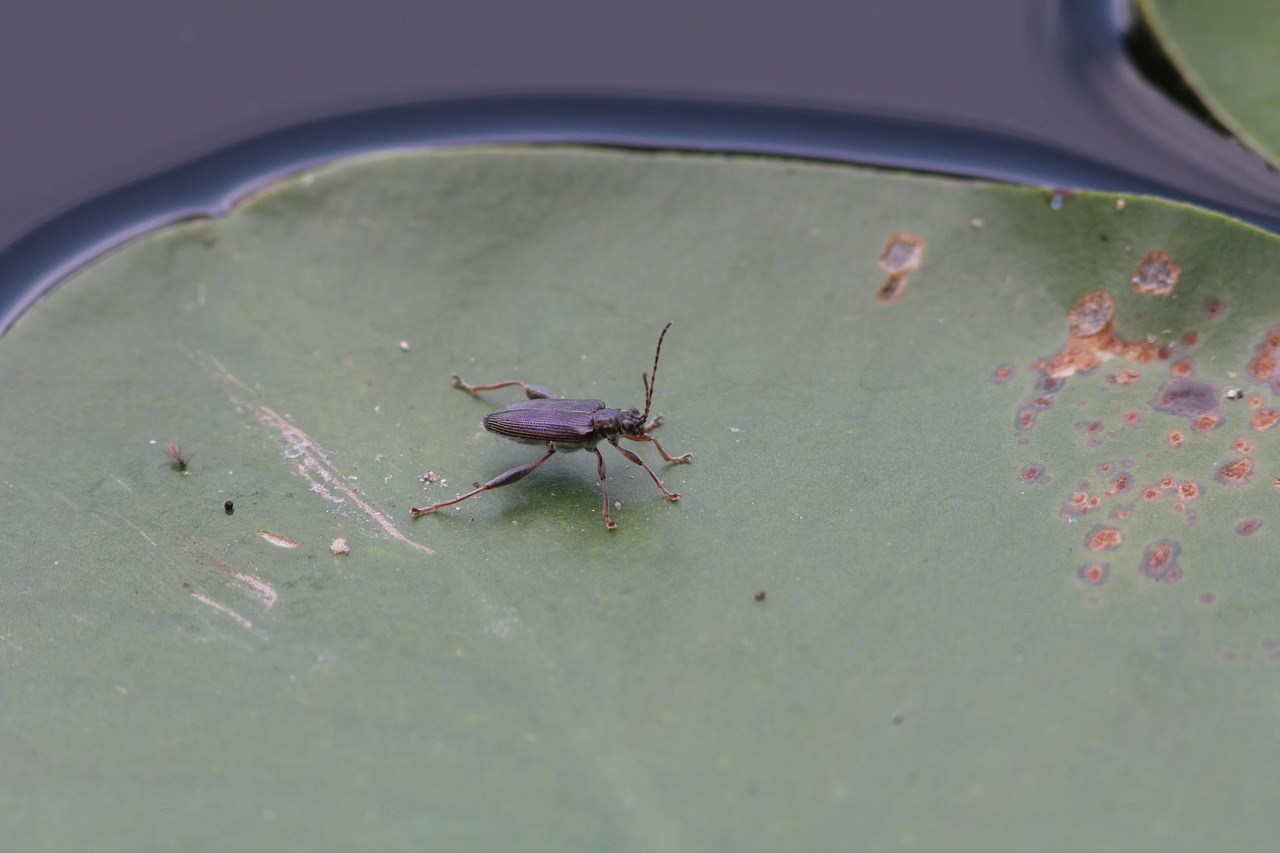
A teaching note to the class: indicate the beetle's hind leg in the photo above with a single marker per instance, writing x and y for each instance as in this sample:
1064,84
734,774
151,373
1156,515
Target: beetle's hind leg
533,392
497,482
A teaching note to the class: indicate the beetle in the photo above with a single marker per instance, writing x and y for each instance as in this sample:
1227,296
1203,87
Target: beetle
564,426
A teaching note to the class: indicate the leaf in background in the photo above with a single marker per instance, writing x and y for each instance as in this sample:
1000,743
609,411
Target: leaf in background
1226,52
992,492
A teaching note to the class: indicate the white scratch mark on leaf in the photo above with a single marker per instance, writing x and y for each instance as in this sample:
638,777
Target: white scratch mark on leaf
222,608
315,464
260,588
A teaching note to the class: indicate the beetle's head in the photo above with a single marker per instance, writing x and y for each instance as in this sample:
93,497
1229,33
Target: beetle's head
631,422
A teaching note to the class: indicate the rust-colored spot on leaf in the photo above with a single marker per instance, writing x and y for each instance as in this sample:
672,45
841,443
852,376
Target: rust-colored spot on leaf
1263,365
1124,376
1093,339
1266,359
1192,399
902,253
1160,561
1237,473
1249,526
1156,275
1034,473
1003,373
1265,419
1095,574
1092,315
892,289
1212,308
1207,423
1104,539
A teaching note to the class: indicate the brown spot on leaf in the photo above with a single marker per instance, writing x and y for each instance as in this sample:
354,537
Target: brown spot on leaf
1249,526
1095,574
1160,561
1034,473
892,289
1156,275
1124,376
1237,473
1002,373
1103,539
902,253
1266,357
1188,398
1093,339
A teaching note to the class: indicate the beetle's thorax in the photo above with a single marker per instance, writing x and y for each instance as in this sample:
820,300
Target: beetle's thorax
618,422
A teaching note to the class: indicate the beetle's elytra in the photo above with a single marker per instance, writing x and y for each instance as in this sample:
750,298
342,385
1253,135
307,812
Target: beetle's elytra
565,426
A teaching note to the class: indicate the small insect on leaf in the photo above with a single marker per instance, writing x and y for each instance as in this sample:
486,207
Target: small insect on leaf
179,458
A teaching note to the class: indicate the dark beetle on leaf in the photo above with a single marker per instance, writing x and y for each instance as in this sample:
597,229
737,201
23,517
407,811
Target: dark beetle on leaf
565,426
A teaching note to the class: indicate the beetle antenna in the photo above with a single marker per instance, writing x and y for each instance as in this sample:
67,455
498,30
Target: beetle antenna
644,377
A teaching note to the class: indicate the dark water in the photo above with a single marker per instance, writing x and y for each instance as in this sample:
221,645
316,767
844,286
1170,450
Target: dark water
1103,125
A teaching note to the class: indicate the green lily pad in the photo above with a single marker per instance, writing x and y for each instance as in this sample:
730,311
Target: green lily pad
975,549
1226,52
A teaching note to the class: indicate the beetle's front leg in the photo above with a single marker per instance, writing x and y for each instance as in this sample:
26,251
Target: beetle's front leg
671,496
604,483
533,392
687,457
497,482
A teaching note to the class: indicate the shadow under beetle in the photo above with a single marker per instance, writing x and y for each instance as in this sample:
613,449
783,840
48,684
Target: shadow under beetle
565,426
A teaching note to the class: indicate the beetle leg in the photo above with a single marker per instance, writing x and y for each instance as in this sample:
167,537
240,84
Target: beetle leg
533,392
608,519
497,482
672,496
688,457
653,424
